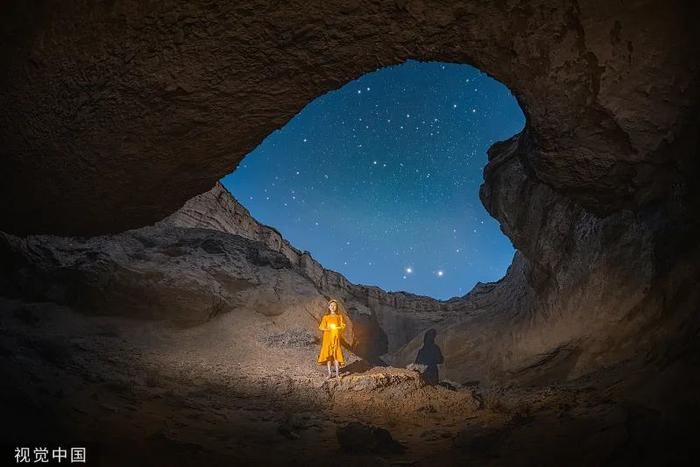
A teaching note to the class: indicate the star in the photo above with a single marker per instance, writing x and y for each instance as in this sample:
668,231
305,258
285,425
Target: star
431,172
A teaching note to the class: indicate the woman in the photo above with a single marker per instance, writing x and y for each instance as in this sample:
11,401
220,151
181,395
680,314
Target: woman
332,325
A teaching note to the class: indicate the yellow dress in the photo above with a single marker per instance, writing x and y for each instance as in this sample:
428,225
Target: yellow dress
332,326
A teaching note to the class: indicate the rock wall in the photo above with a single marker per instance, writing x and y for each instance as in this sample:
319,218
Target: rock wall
593,289
401,314
209,257
184,276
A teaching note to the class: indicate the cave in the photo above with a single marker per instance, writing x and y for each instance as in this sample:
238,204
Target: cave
147,317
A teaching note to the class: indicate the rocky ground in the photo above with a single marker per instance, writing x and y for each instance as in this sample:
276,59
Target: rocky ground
241,390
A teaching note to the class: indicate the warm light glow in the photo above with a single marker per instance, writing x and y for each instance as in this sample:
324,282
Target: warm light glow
332,326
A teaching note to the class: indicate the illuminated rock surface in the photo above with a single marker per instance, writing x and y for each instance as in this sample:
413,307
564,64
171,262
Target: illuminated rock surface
115,114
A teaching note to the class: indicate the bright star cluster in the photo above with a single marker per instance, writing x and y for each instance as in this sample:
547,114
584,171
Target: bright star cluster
379,180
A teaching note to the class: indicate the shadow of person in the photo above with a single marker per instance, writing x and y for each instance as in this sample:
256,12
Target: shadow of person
430,356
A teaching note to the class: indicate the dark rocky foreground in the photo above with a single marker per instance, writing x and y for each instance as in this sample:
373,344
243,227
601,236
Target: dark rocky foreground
145,393
115,114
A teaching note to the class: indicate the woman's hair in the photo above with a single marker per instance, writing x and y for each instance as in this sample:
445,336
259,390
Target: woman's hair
340,309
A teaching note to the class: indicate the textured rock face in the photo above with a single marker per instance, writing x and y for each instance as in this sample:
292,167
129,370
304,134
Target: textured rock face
187,276
210,257
152,103
592,290
400,315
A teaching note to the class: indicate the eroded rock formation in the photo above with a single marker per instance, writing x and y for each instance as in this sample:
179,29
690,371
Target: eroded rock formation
115,114
593,290
209,257
401,315
152,103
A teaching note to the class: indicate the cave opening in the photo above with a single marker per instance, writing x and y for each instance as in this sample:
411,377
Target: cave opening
379,180
185,333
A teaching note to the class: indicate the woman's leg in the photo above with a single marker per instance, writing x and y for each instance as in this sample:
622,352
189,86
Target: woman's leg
328,363
336,368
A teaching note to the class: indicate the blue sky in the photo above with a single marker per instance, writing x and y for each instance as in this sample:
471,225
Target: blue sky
379,180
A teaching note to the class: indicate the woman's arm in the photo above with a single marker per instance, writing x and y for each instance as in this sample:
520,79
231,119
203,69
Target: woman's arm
322,325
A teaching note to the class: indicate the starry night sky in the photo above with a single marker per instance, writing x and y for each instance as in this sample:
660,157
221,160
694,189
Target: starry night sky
379,180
